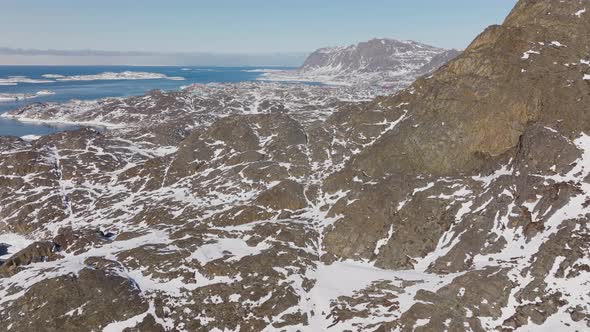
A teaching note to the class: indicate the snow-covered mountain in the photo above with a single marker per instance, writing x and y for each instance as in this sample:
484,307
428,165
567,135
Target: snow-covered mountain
386,62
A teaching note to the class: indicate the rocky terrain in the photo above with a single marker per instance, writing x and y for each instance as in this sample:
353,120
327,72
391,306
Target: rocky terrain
458,204
378,62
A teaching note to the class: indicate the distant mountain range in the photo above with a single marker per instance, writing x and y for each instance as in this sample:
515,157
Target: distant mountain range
376,62
17,56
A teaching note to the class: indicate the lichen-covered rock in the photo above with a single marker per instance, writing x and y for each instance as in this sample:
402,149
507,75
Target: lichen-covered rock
36,252
90,300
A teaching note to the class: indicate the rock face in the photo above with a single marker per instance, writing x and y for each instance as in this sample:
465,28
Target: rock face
384,62
460,203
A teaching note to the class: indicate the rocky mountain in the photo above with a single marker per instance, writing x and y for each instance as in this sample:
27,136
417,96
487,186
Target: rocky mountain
383,62
460,203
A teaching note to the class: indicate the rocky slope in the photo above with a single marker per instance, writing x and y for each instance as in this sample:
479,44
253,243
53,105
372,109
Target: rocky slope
382,62
460,203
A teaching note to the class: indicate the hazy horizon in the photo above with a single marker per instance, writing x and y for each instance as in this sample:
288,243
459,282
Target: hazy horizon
9,56
228,32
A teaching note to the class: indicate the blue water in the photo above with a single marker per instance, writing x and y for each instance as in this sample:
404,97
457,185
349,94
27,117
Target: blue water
88,90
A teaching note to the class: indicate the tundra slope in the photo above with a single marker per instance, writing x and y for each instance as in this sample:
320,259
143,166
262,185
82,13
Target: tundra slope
458,204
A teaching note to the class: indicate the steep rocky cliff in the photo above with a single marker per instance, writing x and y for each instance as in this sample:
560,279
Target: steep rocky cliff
460,203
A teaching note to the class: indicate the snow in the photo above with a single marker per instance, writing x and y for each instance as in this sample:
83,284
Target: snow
343,278
263,70
587,77
290,77
76,311
45,93
14,80
421,189
126,75
305,102
338,66
528,53
416,190
97,124
105,76
421,322
30,137
6,97
130,322
382,242
580,12
236,248
52,76
487,180
15,243
558,44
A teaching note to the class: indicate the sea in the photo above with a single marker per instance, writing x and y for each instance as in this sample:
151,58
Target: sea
32,79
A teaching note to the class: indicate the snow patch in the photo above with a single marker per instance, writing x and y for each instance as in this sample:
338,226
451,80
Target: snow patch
14,243
30,138
236,248
528,53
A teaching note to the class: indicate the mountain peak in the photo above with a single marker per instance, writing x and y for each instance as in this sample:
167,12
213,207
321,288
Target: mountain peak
547,13
511,74
375,55
379,62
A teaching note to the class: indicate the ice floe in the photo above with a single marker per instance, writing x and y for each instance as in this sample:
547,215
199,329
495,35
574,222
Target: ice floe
8,97
113,76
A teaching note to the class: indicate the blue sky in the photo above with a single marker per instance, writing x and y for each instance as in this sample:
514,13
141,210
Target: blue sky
240,26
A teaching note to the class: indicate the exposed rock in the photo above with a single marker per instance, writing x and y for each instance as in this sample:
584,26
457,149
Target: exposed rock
285,195
461,203
147,325
36,252
88,301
